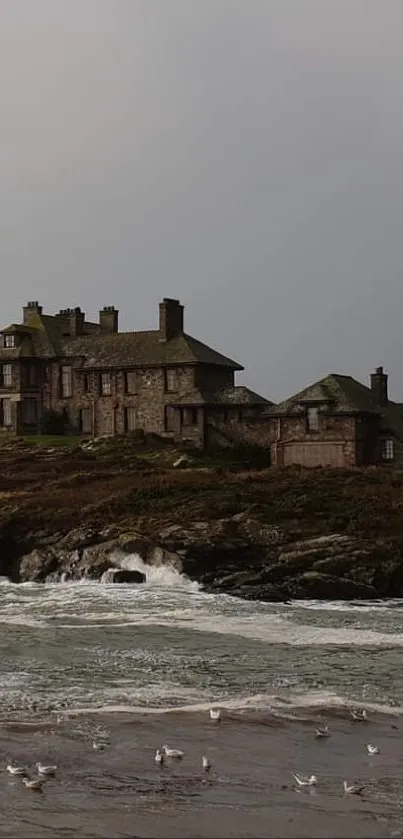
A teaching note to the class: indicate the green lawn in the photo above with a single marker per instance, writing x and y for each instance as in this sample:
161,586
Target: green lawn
53,439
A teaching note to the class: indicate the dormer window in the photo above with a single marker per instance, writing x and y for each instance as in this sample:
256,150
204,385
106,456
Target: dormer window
9,341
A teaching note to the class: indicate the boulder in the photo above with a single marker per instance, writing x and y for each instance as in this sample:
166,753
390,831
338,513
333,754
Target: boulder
328,587
118,575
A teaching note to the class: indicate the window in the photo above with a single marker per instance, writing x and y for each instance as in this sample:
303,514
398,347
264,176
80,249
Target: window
106,388
170,381
29,412
9,341
130,381
313,419
7,375
86,383
190,416
32,377
7,412
387,449
65,379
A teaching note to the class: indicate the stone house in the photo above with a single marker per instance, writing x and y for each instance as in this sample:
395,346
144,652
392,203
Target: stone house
106,382
335,422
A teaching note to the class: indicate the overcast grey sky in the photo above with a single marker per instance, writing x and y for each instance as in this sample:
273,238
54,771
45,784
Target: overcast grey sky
243,155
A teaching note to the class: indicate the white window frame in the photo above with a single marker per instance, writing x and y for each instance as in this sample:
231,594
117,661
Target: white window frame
312,418
171,380
388,449
7,375
9,342
66,381
106,384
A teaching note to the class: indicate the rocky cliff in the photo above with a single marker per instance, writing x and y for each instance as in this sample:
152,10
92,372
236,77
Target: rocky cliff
74,512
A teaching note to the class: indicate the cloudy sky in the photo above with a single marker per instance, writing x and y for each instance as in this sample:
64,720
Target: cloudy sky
243,155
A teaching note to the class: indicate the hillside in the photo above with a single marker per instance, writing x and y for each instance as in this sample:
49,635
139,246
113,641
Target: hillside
249,520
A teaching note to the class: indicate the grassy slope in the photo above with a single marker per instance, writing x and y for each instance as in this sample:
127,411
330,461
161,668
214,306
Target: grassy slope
46,490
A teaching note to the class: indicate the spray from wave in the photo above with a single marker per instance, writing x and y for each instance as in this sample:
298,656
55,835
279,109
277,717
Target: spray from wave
156,575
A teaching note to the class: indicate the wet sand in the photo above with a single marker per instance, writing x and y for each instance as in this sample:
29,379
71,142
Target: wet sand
120,792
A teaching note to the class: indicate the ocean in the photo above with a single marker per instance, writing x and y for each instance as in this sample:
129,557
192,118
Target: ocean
140,666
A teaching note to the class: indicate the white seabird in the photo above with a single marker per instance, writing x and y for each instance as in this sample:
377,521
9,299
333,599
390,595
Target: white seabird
359,714
98,745
305,780
372,750
13,769
322,731
177,753
206,764
159,757
215,714
34,783
45,770
353,789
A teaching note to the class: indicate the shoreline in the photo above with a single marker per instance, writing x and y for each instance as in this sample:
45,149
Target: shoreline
120,792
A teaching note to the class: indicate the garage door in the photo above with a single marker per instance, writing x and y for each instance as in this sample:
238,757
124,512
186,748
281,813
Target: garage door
313,454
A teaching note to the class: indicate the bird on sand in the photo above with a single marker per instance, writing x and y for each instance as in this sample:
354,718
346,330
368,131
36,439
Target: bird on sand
359,714
352,789
34,783
45,770
322,731
159,757
305,780
176,753
372,750
14,769
215,714
206,764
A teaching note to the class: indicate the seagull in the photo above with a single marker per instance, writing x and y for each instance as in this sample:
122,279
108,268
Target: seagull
159,757
322,731
353,789
359,715
206,764
215,714
372,750
45,770
172,752
16,770
305,780
33,783
98,745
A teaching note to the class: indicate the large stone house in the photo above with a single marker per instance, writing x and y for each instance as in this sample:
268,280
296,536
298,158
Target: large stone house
106,382
336,422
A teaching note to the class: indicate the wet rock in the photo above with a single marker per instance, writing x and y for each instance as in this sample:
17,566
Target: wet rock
119,575
327,587
36,565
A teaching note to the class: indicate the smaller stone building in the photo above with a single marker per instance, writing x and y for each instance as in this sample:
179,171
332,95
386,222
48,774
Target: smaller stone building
335,422
103,382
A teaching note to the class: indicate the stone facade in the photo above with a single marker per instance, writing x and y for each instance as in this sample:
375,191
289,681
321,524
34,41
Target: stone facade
99,381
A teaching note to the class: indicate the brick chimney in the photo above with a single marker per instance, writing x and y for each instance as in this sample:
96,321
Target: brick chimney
109,320
32,308
171,319
76,318
379,387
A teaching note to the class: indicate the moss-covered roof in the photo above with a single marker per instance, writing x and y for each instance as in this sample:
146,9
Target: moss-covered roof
45,338
235,395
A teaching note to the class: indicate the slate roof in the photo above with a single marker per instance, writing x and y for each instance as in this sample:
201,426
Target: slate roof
234,395
45,339
343,394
